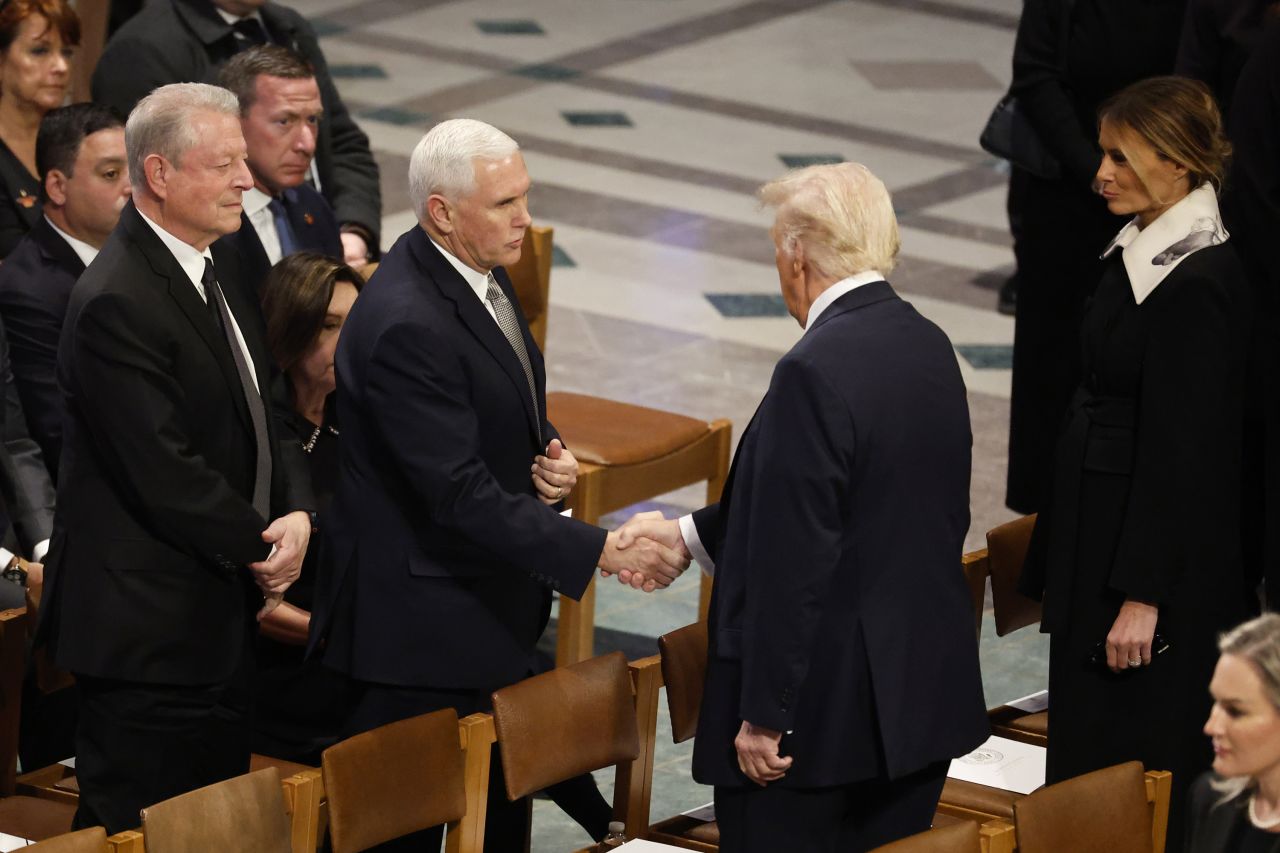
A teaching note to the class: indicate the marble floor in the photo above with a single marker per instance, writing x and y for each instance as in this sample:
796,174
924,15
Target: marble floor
647,126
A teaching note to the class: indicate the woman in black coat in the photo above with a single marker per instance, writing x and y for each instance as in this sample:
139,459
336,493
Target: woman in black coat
1070,56
1137,554
1236,809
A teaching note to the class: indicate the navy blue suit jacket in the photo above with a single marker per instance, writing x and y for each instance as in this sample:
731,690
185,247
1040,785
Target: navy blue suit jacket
442,560
839,611
313,225
35,284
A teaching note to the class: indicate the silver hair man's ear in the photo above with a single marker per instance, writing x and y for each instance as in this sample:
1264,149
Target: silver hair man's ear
444,159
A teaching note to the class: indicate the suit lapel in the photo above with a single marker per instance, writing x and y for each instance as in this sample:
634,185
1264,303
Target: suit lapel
55,249
478,321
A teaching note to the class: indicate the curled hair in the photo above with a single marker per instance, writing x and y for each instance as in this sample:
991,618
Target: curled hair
61,16
1179,119
295,301
1257,642
841,214
240,74
443,160
162,123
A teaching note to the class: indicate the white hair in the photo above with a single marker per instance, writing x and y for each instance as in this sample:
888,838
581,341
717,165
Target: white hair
163,123
444,160
840,213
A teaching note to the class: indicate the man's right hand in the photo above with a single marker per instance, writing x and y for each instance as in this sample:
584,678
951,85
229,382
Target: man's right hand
648,564
650,526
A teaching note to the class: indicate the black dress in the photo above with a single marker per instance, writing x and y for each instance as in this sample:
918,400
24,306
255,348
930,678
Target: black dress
1064,226
1214,826
1145,505
20,206
299,703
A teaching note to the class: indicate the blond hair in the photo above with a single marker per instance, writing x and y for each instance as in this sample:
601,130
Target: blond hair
1257,642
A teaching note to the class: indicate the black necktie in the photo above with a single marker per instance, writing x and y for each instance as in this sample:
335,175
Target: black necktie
250,32
257,409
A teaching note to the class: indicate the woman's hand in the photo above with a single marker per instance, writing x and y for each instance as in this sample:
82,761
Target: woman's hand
1129,640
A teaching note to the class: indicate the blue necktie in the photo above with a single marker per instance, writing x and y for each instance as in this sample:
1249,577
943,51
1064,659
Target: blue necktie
284,230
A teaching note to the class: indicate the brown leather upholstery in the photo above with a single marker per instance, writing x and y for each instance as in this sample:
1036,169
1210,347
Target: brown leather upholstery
246,813
996,802
1100,812
956,838
684,671
975,568
606,432
1006,552
531,278
1036,724
35,819
394,780
566,722
85,841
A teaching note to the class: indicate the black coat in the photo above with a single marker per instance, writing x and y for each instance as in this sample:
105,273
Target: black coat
839,611
1217,39
182,41
20,206
1145,505
441,559
35,285
146,579
313,226
1213,826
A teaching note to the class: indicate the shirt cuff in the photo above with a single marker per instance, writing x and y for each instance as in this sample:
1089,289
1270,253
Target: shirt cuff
5,556
693,542
38,553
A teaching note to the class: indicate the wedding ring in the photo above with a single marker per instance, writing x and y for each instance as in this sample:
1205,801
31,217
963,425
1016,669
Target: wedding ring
1137,662
559,492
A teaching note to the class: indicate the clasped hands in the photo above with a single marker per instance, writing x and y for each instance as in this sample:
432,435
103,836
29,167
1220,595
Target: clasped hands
648,552
289,534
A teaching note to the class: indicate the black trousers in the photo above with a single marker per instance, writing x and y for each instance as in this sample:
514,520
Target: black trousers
845,818
139,744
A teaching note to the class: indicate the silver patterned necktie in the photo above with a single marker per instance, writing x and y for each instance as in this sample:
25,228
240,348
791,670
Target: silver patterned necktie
510,327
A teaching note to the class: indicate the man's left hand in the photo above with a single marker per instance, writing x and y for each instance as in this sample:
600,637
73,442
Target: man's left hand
758,754
290,535
555,474
355,251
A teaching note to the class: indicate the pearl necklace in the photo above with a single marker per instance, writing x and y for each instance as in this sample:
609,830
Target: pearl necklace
1269,823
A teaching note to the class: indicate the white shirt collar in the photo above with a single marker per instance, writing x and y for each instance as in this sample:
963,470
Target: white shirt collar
477,281
835,291
254,200
188,257
231,19
83,250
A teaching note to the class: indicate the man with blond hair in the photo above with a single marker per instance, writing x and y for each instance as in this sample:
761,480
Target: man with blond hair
842,673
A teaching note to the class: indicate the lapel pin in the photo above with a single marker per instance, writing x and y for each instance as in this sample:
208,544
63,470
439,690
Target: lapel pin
309,219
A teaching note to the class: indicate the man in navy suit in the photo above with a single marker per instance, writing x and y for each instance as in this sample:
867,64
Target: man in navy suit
445,544
81,159
842,671
280,111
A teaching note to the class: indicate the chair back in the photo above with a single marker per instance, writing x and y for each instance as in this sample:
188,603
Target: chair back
92,840
1098,812
531,278
684,672
960,837
13,661
396,779
976,567
1006,552
243,813
566,722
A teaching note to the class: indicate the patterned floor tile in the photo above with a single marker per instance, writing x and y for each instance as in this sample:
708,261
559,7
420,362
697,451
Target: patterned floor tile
513,27
603,118
560,258
748,304
799,161
987,356
547,72
393,115
926,76
358,72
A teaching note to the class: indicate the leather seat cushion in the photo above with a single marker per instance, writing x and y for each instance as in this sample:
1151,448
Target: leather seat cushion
35,819
979,798
606,432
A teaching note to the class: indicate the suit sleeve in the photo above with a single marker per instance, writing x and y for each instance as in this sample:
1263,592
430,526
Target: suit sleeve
129,69
33,491
799,485
128,399
1040,83
421,394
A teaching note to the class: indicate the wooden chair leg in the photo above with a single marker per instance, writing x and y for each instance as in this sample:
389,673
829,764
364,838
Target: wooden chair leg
576,621
476,734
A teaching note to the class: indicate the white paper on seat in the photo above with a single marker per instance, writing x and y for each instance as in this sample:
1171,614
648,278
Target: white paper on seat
642,846
706,813
1002,763
12,842
1033,703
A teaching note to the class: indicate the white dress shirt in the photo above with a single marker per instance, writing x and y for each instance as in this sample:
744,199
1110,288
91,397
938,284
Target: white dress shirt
83,250
256,207
477,281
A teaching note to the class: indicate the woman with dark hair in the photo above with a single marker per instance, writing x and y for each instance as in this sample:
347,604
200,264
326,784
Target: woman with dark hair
1236,808
1137,554
37,40
305,302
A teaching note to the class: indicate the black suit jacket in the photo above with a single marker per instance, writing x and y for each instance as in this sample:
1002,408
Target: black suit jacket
180,41
442,560
839,610
20,206
35,284
146,574
1211,824
313,225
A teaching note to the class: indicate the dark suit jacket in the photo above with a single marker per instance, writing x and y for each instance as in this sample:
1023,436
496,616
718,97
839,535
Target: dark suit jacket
839,611
1210,824
1217,38
20,206
313,226
35,284
442,559
179,41
147,569
25,486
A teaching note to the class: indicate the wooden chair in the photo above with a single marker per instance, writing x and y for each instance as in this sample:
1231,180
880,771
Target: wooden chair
960,837
85,841
1098,812
626,453
243,813
395,780
579,718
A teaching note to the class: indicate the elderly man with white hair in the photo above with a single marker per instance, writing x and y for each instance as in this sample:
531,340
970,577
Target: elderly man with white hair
445,543
842,672
183,511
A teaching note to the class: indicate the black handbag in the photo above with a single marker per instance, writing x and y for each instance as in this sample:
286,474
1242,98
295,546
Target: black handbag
1010,135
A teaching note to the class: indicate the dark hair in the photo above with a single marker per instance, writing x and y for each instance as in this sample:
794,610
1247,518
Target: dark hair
242,71
61,17
1177,117
296,299
63,131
